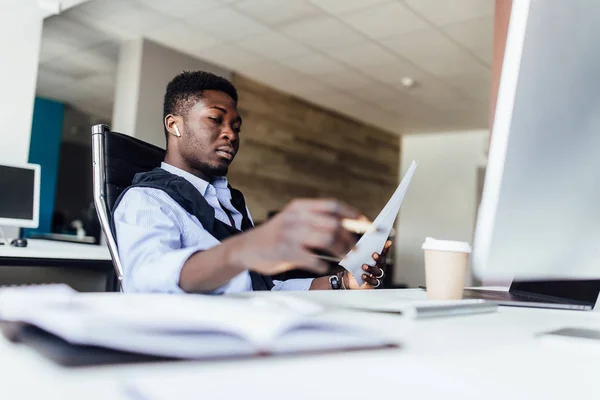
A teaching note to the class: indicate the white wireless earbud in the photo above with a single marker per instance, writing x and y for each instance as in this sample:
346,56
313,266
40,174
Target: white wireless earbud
178,134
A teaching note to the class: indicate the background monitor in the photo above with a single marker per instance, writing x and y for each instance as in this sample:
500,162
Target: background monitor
539,216
20,195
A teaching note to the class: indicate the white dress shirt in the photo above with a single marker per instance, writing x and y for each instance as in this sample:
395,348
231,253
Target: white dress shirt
156,236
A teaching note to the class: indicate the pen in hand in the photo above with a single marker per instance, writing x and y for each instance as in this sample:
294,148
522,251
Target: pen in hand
360,226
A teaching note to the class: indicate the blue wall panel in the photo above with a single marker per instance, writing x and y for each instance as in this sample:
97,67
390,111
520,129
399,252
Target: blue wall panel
46,138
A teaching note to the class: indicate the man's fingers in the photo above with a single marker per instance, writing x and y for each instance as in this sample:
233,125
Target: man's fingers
380,260
375,270
326,206
308,261
334,244
371,280
326,233
386,248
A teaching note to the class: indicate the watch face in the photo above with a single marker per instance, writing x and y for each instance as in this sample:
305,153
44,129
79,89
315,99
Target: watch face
335,283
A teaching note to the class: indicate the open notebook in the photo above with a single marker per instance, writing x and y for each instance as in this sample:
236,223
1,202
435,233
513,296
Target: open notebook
373,242
181,326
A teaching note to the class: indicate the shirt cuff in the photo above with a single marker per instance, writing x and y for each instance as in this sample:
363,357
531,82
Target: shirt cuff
293,284
165,277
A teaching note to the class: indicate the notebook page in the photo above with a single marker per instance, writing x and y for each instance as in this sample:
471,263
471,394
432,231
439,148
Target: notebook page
189,326
149,312
373,242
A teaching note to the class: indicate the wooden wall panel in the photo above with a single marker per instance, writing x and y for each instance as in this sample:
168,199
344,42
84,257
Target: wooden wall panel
291,149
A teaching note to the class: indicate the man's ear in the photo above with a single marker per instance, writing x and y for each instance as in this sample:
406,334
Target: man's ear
173,124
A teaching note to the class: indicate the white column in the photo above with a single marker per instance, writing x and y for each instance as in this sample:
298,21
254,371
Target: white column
20,34
145,68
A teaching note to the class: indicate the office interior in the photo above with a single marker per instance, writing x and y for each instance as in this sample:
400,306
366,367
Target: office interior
337,97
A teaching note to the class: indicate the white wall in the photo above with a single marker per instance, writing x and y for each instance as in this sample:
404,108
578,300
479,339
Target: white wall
21,23
20,34
441,200
145,68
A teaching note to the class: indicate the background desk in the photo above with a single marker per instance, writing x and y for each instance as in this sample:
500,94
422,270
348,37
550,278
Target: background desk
82,266
489,356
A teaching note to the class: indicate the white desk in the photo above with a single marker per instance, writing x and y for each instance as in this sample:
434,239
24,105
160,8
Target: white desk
491,356
51,249
51,253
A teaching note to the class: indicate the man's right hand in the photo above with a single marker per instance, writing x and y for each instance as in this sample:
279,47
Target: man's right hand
289,239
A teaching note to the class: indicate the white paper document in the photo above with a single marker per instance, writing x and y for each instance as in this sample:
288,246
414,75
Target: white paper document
182,326
373,242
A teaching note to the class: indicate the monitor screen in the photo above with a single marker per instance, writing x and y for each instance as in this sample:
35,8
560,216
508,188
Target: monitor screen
17,193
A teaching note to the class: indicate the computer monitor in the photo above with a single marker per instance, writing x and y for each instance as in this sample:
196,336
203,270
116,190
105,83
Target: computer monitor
539,217
20,195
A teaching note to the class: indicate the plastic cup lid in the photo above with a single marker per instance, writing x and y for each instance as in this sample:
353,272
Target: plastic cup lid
446,245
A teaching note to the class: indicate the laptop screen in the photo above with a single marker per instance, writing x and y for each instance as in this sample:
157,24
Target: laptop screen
583,291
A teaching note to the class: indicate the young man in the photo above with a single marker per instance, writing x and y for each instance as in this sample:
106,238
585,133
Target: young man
178,227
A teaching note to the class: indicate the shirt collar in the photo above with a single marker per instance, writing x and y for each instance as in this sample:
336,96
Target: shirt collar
199,183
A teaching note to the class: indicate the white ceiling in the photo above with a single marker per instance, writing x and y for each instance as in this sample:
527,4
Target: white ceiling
345,55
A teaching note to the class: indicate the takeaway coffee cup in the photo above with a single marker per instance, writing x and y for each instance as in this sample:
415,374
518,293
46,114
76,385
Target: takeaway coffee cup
445,268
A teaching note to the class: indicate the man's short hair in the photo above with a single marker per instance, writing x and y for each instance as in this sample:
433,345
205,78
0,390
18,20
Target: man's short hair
186,89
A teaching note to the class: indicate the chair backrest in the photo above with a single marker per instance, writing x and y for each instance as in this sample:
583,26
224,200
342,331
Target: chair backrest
116,159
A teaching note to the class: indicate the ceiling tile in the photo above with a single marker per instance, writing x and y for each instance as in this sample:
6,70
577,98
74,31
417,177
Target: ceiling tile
100,9
67,33
124,19
447,12
102,86
476,86
376,116
50,79
268,72
51,92
323,33
181,8
99,59
391,73
376,92
344,6
227,24
435,53
475,35
51,48
485,54
440,96
184,37
385,20
276,12
363,54
346,80
230,56
407,106
273,45
331,99
300,86
313,64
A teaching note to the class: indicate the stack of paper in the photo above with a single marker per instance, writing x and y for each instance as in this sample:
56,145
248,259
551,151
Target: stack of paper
373,241
181,326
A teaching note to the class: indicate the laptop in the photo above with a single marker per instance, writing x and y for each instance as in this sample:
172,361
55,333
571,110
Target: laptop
578,295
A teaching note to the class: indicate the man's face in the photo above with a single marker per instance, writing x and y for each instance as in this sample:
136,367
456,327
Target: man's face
210,135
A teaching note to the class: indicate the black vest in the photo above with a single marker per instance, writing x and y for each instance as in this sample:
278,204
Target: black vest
188,197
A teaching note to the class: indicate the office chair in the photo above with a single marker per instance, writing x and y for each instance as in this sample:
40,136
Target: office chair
116,158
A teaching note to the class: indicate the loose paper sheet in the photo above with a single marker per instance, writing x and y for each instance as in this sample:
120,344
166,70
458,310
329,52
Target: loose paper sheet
373,242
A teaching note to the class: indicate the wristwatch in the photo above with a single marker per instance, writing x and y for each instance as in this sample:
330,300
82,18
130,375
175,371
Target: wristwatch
335,282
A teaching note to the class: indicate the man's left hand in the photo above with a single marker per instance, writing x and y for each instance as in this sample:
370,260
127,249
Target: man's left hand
373,276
